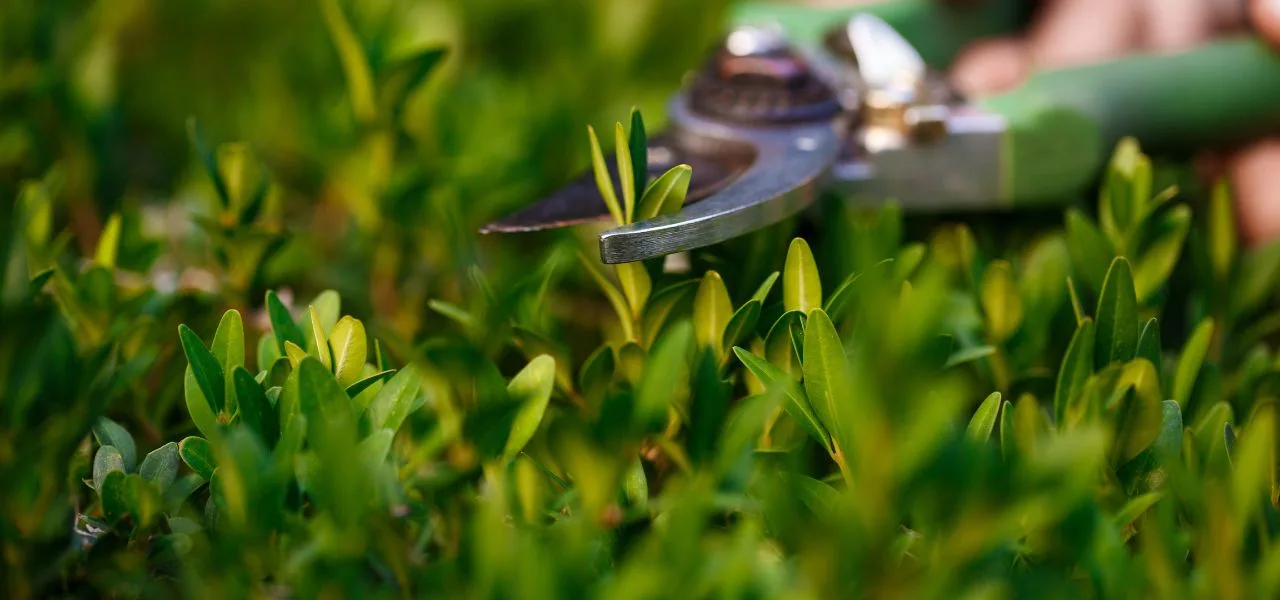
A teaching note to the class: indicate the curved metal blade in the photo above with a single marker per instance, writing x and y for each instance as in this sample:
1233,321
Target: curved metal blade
580,201
774,187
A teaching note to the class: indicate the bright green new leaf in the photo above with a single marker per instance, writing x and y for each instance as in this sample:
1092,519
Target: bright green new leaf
393,403
1223,239
1138,414
615,297
110,433
1134,509
198,455
1001,301
666,194
350,350
636,285
200,409
1077,307
604,181
108,243
801,287
107,460
1073,374
984,419
626,171
828,379
328,308
295,353
531,388
160,466
318,339
1117,317
711,310
282,325
1193,355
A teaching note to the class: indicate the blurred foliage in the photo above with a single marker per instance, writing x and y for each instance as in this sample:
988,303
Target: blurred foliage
285,366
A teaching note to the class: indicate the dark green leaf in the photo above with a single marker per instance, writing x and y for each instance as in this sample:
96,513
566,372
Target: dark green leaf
110,433
255,410
1090,250
741,324
282,325
393,403
637,143
160,467
107,460
1149,344
112,492
354,389
1118,326
1077,366
828,379
205,368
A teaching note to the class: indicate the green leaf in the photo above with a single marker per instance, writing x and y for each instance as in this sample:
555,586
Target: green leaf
1001,301
1090,250
969,355
1077,307
107,460
1162,252
373,450
762,292
354,389
604,181
741,324
350,350
667,193
255,410
355,65
1193,355
596,373
779,346
204,366
828,378
393,403
198,455
638,144
1149,344
1223,239
200,409
318,338
1134,509
801,287
667,301
531,388
1138,414
626,171
113,495
797,404
141,500
282,325
841,299
160,467
634,279
666,370
1117,320
984,419
615,297
108,242
1077,366
110,433
711,310
295,353
1008,437
328,307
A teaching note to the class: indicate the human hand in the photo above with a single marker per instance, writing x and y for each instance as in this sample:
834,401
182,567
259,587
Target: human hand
1073,32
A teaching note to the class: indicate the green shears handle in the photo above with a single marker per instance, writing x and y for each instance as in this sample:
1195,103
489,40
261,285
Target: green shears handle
1063,122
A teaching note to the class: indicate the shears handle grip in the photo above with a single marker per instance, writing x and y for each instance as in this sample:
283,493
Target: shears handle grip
1063,122
938,30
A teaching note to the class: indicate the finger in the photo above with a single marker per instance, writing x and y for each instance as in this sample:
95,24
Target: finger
1253,172
1073,32
990,66
1171,25
1265,16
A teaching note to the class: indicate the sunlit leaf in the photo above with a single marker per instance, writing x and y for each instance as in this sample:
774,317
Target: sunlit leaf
801,287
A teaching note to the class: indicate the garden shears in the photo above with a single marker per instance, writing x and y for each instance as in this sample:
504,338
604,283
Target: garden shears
800,100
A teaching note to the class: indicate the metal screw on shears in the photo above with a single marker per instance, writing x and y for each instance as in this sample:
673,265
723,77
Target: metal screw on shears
898,102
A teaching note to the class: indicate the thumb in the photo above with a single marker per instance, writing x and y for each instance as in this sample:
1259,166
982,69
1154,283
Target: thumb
1265,15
